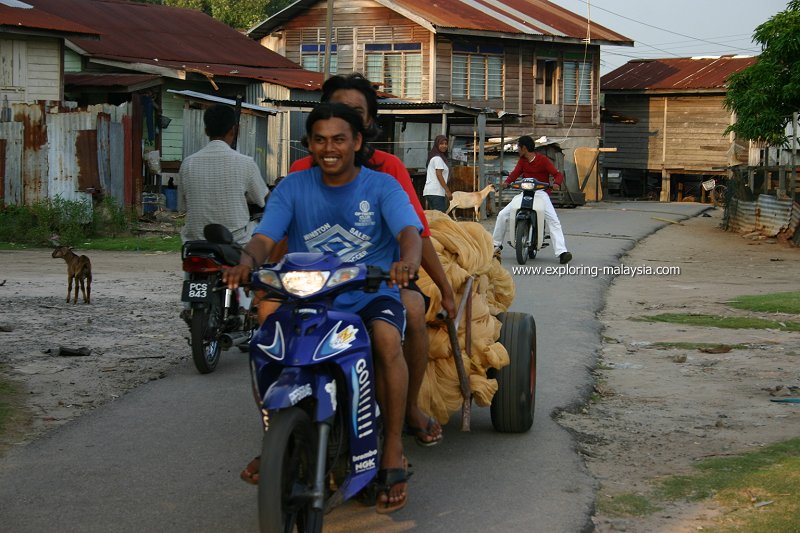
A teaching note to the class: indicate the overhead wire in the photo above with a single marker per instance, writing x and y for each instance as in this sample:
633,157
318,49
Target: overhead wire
656,27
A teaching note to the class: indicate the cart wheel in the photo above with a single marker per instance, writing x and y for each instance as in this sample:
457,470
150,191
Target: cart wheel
513,403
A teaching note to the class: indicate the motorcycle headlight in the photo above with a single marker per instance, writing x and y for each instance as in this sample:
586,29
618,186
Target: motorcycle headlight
304,283
343,275
528,185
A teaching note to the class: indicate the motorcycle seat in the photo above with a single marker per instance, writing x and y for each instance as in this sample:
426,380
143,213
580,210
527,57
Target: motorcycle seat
229,254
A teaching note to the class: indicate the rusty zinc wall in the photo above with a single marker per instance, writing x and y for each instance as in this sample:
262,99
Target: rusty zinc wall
68,153
767,216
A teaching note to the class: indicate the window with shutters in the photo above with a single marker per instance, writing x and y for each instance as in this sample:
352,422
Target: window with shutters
397,66
312,57
577,82
13,65
477,72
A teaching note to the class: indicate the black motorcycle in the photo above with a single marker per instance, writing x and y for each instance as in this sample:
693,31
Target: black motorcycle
217,319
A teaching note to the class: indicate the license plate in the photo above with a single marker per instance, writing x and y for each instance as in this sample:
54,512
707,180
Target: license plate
196,291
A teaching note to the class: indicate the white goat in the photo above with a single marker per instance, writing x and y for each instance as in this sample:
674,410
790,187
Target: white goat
465,200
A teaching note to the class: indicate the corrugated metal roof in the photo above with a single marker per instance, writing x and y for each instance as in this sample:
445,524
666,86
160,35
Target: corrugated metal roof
524,19
125,82
16,18
180,39
155,32
684,73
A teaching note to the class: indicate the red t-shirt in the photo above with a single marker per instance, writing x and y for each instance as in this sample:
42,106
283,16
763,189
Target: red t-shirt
389,164
541,168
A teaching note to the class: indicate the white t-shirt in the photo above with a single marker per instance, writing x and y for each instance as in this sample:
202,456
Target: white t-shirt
432,186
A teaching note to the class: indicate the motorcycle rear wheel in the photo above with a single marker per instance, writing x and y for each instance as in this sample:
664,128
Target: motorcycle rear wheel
205,346
521,242
286,477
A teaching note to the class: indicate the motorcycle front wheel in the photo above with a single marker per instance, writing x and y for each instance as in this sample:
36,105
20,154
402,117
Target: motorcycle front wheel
205,346
286,477
522,232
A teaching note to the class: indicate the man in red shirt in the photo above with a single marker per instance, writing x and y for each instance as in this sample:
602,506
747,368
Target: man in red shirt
539,167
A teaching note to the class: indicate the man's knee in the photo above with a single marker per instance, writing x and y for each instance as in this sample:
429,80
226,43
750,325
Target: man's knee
385,340
414,304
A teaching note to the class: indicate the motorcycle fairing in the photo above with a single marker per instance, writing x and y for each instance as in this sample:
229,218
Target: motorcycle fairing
305,334
312,333
526,202
364,421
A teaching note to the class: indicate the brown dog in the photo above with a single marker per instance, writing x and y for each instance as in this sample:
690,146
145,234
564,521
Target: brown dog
79,268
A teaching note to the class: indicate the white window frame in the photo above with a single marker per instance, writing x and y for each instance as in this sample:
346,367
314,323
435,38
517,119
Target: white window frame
577,79
477,72
316,51
404,58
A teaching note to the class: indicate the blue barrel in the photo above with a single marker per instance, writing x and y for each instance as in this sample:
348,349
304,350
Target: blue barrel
171,198
149,203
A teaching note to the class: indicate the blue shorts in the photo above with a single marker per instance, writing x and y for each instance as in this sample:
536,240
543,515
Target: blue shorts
387,309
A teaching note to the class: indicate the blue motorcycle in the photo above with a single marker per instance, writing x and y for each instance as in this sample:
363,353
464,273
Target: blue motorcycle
313,380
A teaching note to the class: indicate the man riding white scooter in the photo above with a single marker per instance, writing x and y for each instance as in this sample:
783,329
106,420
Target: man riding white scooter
539,167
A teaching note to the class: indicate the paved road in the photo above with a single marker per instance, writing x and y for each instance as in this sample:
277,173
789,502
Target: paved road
166,456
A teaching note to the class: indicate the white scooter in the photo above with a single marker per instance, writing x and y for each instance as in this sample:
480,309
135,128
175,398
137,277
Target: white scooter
526,220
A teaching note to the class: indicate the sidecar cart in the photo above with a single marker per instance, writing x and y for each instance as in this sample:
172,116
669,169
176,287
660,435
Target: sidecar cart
513,403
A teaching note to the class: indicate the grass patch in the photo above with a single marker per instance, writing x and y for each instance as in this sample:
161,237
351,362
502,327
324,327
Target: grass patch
171,243
758,490
745,484
626,504
730,322
67,221
779,302
696,345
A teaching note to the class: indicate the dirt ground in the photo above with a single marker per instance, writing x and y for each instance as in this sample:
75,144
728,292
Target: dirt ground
131,329
661,410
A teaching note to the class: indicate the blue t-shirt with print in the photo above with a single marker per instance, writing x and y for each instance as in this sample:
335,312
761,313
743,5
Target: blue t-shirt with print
358,221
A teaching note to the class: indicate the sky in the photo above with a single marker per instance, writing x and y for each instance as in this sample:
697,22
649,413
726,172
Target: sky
676,28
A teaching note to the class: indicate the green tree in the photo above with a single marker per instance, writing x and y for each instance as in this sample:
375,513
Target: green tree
240,14
765,95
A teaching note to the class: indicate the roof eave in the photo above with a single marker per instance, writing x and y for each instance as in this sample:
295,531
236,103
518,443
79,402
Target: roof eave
527,37
664,92
141,67
22,30
408,14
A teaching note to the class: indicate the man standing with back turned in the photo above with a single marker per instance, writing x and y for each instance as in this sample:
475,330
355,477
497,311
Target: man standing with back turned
217,182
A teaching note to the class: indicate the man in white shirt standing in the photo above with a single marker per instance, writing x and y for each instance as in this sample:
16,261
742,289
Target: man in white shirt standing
217,182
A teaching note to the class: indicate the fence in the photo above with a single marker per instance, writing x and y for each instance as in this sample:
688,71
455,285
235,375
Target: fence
764,200
51,151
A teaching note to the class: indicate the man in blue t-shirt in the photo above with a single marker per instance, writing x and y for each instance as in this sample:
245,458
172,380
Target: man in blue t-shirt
340,206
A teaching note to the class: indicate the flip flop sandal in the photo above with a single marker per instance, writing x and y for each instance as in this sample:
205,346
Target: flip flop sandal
427,431
387,478
250,473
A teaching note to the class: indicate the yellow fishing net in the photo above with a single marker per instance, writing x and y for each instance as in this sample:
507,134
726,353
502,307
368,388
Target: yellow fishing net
465,249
